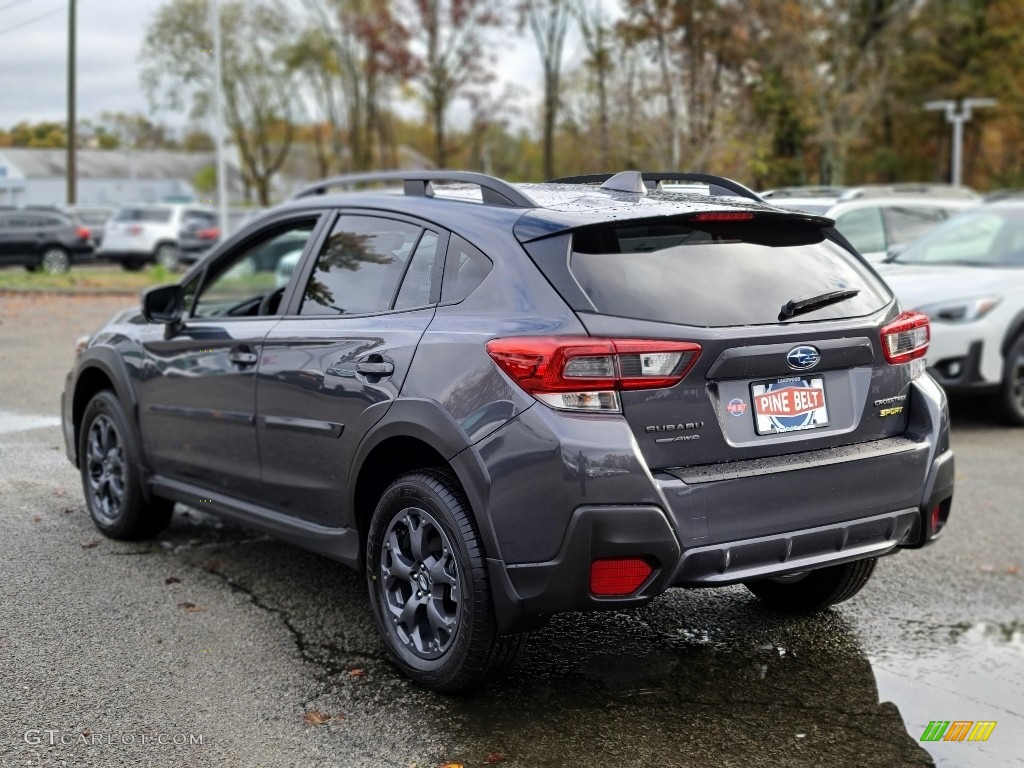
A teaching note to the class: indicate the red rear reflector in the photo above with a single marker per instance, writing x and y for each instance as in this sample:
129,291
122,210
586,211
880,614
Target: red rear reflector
936,520
208,234
723,216
82,233
135,229
618,576
906,338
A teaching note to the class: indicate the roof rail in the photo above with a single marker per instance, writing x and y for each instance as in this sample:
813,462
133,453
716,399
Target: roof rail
909,190
717,185
420,184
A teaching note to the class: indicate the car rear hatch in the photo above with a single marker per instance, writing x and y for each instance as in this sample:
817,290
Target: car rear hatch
748,335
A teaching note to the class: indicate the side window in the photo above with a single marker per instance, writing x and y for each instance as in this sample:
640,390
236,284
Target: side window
415,290
251,280
359,267
904,223
465,268
863,228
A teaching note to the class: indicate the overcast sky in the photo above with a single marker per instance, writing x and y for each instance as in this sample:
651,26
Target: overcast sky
33,59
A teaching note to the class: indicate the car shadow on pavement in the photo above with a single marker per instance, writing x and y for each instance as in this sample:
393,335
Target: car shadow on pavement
698,676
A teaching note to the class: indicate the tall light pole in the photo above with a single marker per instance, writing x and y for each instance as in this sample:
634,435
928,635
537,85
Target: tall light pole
72,170
958,119
218,121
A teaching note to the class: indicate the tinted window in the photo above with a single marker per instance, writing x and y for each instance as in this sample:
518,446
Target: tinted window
905,222
359,267
153,215
238,283
720,275
465,268
983,237
416,284
93,217
52,220
863,228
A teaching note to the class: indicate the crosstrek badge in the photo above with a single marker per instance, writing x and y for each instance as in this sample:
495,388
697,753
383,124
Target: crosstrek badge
789,404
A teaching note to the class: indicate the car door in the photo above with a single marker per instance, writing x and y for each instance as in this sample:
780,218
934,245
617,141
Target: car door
198,388
334,363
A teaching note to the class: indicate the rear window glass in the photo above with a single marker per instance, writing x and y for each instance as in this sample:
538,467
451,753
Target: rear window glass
154,215
718,274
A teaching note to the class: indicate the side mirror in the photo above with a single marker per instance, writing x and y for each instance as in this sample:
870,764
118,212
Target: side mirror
164,304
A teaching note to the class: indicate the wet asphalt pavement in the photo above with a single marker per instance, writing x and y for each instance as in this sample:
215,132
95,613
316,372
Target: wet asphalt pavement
115,654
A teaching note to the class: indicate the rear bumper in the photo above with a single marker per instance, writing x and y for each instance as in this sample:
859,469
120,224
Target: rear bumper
744,521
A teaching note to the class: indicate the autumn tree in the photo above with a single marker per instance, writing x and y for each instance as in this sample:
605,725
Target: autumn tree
260,96
548,22
597,37
451,57
353,54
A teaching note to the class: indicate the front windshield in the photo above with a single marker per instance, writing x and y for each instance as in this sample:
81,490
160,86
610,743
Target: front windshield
985,237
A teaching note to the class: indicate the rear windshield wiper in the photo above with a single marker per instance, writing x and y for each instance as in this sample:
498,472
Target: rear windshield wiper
795,307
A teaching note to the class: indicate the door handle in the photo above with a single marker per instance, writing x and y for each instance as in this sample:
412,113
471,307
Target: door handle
243,356
383,368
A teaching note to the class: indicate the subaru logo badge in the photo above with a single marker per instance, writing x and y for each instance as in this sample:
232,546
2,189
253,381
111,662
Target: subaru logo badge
803,358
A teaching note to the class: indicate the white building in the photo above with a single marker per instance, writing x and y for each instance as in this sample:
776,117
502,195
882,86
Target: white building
105,177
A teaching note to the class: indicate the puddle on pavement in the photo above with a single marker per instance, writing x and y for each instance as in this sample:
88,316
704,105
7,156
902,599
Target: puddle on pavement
969,672
16,422
599,692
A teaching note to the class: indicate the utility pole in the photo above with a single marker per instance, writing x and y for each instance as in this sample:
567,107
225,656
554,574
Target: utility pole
72,170
218,122
957,119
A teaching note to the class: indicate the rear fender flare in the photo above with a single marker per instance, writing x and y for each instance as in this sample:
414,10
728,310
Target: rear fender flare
427,421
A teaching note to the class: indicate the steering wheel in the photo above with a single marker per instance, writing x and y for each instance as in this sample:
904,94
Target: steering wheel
270,302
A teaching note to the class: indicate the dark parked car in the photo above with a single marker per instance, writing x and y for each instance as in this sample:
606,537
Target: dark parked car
43,239
94,218
501,402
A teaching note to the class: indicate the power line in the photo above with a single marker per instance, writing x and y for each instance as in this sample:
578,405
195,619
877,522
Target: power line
47,15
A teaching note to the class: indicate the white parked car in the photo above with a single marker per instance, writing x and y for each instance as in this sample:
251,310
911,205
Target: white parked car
968,277
878,220
147,234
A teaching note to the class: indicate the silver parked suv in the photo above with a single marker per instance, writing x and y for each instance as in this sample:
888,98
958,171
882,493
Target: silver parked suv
501,402
146,234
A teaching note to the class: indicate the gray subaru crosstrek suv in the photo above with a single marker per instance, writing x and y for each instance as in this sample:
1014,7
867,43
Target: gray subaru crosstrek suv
502,402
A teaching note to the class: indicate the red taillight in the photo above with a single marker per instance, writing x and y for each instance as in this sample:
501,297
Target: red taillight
723,216
82,233
584,373
211,233
906,338
618,576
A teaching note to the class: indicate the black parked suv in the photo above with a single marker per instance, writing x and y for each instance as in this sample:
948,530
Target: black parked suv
506,401
43,239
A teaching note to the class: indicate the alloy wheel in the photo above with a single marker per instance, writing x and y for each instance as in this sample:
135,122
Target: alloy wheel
106,468
55,261
419,583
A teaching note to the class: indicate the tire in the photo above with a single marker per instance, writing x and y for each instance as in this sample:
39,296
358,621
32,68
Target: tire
816,590
1011,393
55,261
166,256
424,552
109,463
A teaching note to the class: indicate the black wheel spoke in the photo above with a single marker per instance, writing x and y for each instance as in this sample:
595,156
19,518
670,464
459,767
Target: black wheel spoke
420,583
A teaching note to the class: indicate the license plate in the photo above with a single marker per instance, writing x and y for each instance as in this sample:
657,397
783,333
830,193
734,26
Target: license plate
789,404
